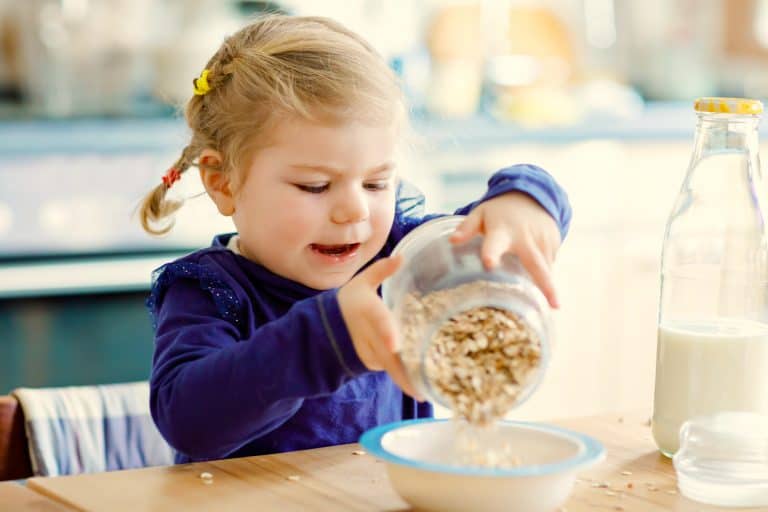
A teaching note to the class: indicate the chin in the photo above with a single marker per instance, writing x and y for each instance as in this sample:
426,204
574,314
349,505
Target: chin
329,282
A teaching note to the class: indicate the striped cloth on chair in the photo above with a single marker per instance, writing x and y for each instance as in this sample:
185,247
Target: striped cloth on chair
88,429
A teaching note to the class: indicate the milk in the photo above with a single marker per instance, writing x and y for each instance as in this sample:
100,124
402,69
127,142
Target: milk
706,367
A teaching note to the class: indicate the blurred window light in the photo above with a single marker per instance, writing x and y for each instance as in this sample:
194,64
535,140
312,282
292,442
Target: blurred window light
53,33
760,23
514,70
6,219
87,275
74,9
600,23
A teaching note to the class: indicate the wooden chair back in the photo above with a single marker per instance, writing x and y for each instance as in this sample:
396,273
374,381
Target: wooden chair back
14,454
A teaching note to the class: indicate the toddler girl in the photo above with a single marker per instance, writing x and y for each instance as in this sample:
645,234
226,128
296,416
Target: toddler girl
274,338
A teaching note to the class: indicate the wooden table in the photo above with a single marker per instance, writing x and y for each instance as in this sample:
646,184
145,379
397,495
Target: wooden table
17,497
634,477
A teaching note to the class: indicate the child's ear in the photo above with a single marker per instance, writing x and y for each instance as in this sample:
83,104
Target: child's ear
216,182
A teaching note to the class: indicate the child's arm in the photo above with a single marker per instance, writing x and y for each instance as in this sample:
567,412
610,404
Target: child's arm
524,211
212,392
534,182
529,179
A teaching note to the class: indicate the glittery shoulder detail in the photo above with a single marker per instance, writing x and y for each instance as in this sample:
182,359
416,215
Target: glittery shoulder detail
225,299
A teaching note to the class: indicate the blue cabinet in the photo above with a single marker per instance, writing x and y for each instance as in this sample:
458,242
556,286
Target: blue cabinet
74,339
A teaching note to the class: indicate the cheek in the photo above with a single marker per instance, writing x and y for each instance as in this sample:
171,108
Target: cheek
307,208
298,217
277,212
284,201
383,211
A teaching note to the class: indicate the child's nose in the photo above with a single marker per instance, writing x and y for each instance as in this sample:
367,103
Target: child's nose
351,207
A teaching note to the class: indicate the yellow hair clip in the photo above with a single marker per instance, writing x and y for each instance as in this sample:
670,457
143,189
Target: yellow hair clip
201,84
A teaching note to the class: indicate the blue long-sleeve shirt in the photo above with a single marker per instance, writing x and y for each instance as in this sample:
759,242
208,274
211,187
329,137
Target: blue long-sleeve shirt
247,362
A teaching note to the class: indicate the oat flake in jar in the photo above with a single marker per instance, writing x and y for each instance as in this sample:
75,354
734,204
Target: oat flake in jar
475,341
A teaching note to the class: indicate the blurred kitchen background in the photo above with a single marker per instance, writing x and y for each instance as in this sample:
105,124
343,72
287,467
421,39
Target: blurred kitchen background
599,92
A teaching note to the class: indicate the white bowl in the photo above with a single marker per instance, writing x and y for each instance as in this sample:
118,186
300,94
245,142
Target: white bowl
420,456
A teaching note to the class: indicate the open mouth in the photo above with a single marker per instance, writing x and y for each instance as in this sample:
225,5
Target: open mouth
335,250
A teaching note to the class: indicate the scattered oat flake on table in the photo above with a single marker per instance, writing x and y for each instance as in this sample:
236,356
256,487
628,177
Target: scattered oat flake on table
626,473
358,452
206,475
672,491
294,478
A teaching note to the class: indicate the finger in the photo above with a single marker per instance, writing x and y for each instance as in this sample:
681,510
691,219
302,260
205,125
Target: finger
549,244
547,252
550,253
537,267
382,324
382,269
383,343
366,353
470,227
495,244
393,365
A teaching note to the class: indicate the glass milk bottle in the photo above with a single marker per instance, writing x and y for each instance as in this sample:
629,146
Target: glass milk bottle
713,337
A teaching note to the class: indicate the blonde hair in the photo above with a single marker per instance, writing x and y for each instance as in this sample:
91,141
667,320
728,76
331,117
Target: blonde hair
275,68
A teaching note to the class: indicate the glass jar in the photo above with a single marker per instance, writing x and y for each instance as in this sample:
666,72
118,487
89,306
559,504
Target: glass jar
712,351
723,459
465,330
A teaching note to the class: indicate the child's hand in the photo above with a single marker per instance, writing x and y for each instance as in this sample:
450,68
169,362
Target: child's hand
516,223
370,324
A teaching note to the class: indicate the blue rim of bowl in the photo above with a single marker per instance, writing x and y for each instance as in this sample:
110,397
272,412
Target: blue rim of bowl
591,451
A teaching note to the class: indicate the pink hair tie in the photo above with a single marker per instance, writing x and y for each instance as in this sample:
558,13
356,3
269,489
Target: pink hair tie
172,176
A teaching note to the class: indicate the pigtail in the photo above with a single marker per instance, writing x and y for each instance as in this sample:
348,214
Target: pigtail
156,209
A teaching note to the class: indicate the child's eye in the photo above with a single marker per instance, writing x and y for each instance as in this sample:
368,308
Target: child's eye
378,185
313,189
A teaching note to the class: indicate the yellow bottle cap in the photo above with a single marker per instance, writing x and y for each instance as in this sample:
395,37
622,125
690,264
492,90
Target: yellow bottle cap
728,106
